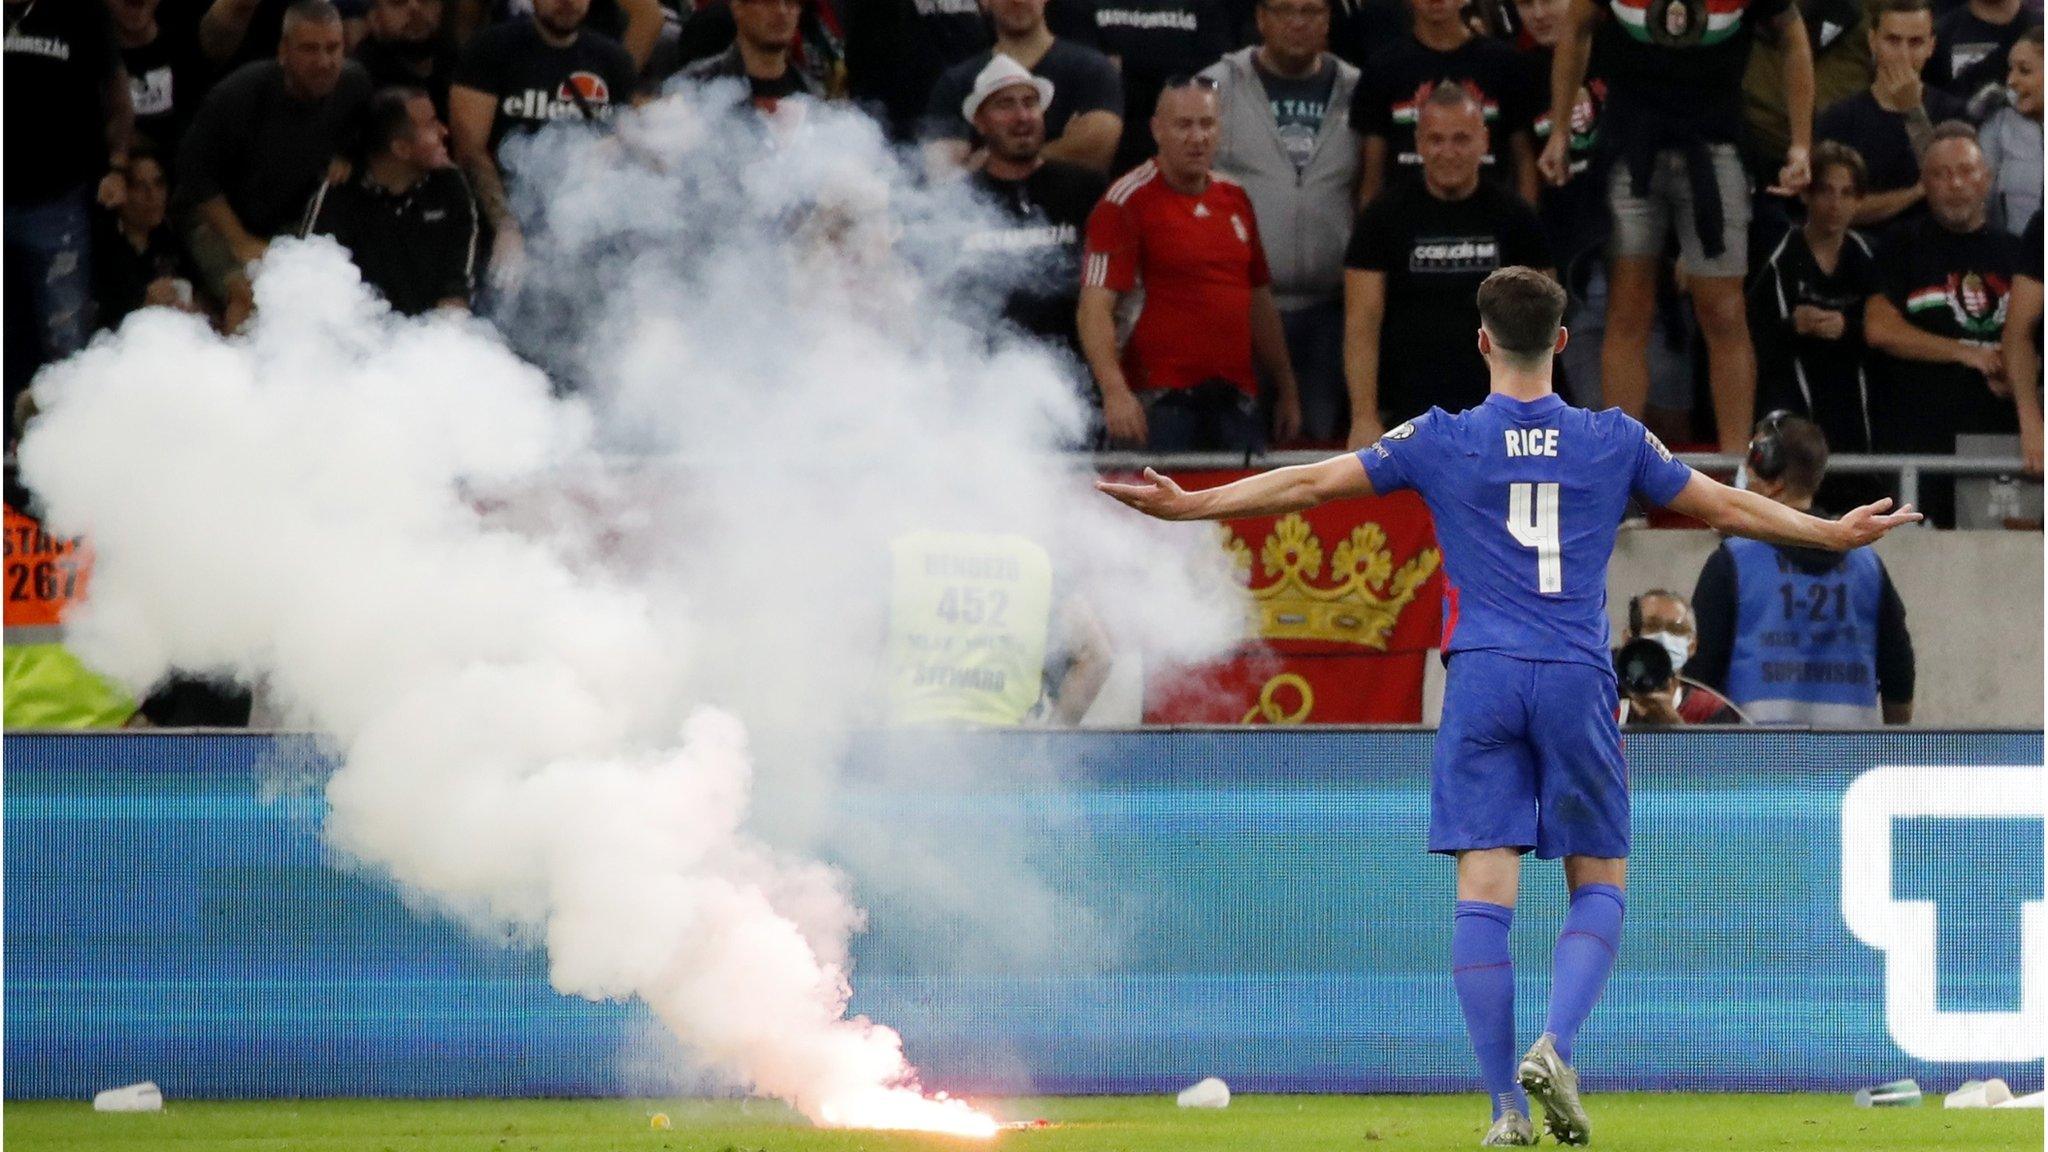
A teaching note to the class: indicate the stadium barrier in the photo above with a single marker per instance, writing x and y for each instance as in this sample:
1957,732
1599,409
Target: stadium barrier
1808,911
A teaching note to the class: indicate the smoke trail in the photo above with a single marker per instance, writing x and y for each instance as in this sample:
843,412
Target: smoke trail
544,630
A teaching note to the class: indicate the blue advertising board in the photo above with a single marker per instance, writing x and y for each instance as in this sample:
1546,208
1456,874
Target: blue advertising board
1806,911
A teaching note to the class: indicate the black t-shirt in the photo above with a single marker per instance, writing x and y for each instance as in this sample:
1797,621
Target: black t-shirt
1083,80
390,63
537,83
1400,77
1035,256
1359,29
766,94
121,275
1149,41
1818,378
2030,249
896,50
264,150
1880,136
166,79
417,247
1575,215
1682,61
1952,284
1970,53
1299,106
59,57
1434,254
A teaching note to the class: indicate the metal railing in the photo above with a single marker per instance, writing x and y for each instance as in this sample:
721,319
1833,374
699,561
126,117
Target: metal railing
1908,469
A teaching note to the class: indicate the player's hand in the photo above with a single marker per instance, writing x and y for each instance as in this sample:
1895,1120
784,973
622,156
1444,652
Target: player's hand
1556,162
1365,429
1159,496
2030,447
1287,417
1868,524
1795,175
1123,416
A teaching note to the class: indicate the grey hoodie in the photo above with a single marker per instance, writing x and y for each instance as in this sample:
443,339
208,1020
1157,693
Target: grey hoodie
1304,218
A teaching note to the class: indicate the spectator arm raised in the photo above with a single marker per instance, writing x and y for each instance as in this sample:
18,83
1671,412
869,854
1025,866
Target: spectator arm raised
224,26
470,115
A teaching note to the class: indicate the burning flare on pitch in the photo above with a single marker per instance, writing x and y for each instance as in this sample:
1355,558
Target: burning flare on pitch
905,1109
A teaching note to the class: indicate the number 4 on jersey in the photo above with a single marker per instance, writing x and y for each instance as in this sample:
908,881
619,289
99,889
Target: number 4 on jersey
1532,521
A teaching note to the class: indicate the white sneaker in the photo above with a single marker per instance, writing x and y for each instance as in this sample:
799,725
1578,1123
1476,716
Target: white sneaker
1551,1083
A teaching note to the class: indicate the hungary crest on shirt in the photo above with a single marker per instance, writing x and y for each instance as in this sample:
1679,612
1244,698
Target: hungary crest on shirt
1679,23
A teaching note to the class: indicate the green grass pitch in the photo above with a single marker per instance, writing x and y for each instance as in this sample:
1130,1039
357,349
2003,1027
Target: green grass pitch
1636,1122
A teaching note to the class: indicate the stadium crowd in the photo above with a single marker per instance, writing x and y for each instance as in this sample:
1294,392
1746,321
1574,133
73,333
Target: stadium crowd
1263,219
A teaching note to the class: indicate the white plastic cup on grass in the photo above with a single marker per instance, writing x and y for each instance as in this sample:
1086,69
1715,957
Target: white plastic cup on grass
1207,1093
143,1097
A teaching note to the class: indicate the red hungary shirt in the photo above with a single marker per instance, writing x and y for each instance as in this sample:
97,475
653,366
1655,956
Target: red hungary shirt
1196,260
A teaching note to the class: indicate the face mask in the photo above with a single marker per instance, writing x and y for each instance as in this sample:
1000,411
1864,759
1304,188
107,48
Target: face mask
1676,645
1741,476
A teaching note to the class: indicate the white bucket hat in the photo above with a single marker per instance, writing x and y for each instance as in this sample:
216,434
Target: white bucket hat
1000,74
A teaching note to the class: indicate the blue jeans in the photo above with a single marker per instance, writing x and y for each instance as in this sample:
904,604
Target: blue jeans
49,247
1213,416
1315,346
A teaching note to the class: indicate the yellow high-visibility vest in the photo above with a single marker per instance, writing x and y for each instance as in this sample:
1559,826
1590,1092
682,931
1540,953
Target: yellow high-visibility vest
969,619
46,686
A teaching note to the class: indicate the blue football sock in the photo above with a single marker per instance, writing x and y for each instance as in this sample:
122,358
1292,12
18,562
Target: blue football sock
1586,948
1484,972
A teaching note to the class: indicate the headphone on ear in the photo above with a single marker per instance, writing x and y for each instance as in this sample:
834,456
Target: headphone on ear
1766,458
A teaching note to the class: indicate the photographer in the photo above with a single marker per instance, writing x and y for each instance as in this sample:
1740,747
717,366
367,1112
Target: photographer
1800,635
1661,640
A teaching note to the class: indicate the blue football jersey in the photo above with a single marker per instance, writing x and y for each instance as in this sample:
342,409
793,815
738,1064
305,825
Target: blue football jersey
1527,499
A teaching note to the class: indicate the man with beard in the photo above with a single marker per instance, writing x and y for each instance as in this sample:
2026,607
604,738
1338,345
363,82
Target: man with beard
262,142
1083,121
407,44
519,77
1045,203
1940,317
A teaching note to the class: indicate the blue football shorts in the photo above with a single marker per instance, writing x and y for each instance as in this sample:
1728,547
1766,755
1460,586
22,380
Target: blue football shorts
1528,756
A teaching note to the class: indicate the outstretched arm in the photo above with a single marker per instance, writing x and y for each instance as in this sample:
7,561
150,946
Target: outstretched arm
1266,494
1734,512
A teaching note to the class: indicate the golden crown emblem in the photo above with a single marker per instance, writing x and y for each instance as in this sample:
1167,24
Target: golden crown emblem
1360,601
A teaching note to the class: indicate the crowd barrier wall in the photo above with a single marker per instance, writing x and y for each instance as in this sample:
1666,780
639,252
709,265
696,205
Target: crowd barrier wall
1807,911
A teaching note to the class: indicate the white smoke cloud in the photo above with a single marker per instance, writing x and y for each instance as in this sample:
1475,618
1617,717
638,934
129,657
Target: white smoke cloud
545,631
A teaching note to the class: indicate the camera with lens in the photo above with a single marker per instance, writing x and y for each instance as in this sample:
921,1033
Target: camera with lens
1642,665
